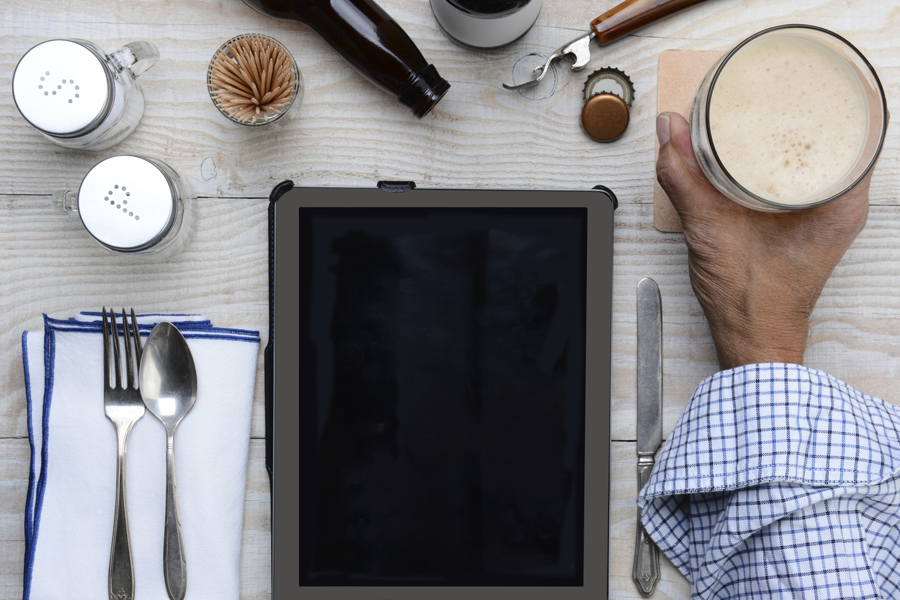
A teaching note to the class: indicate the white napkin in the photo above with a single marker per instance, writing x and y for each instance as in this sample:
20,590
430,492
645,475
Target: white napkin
71,490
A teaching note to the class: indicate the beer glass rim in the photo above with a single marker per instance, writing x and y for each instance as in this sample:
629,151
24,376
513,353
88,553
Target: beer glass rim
875,154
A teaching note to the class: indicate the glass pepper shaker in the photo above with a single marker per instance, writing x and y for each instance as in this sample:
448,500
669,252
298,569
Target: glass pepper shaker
132,205
80,97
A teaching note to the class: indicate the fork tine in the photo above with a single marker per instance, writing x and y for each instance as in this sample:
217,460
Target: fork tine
105,349
129,368
116,354
138,348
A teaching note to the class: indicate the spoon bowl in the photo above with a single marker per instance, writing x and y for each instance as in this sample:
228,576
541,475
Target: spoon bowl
168,376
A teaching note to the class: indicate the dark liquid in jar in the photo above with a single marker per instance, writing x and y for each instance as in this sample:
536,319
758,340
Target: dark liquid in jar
491,8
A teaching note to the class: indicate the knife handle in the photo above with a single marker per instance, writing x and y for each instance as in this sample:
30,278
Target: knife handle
631,15
646,553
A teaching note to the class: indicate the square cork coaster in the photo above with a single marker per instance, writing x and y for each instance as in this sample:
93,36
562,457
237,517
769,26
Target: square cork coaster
680,74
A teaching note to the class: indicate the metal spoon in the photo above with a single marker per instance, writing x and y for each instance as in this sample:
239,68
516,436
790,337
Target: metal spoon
169,389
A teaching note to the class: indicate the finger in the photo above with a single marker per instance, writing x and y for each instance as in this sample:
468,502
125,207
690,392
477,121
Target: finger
673,127
677,169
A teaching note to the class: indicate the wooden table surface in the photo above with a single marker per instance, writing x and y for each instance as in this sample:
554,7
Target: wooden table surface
348,133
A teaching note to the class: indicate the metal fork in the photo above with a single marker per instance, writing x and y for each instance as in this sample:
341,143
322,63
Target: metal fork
124,407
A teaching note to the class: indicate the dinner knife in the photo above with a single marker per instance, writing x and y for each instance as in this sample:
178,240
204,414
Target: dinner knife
649,421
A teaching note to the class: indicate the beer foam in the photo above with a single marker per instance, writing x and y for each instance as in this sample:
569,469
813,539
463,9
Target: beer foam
788,118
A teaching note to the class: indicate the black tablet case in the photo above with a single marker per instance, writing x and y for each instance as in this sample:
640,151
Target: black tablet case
441,492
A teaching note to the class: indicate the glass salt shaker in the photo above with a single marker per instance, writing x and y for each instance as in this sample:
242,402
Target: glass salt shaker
132,205
80,97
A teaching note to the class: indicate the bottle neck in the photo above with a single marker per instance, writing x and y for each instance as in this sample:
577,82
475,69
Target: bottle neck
424,92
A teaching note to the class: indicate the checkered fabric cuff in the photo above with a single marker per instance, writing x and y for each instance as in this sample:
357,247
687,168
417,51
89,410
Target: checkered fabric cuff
777,422
780,482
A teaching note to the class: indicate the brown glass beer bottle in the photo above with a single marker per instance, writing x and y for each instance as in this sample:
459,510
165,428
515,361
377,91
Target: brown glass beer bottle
370,40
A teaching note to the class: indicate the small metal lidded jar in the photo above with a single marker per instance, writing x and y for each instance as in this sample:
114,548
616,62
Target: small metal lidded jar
132,205
80,97
486,24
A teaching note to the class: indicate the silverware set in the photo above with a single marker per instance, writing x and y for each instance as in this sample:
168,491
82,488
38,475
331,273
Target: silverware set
163,380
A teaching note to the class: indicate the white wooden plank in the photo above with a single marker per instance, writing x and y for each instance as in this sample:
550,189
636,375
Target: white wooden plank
349,133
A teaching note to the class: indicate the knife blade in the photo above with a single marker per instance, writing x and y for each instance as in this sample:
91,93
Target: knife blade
649,421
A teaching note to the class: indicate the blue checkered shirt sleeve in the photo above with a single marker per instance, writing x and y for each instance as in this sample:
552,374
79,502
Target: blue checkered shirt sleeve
780,482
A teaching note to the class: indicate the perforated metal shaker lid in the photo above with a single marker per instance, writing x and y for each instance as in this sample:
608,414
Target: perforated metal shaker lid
127,203
63,88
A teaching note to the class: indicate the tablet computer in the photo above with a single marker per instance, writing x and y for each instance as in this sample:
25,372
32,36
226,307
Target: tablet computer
438,386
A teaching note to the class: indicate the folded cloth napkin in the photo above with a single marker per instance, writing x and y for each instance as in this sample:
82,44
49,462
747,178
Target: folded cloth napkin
71,488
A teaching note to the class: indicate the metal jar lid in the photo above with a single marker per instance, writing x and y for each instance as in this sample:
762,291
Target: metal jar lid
127,203
63,88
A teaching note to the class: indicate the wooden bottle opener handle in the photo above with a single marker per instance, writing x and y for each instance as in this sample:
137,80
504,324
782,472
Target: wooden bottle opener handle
631,15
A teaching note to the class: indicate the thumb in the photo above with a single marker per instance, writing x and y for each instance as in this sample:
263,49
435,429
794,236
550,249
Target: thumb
677,168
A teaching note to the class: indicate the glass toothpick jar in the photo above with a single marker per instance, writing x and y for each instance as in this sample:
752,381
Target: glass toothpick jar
80,97
132,205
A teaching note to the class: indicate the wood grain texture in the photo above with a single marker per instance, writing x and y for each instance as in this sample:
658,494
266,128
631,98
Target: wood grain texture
349,133
50,265
14,457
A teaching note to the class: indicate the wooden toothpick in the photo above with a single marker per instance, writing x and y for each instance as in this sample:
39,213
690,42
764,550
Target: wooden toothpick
252,78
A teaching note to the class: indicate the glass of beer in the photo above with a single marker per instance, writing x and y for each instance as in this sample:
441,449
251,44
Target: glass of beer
792,118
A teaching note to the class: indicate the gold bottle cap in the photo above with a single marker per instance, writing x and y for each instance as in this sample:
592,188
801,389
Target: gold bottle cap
617,76
604,117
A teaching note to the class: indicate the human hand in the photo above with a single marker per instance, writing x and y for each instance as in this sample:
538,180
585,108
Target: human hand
756,274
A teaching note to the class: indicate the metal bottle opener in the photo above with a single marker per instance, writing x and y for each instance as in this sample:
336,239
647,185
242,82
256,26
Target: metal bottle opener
616,23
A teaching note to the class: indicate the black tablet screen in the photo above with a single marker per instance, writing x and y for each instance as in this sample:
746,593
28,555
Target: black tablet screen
442,379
